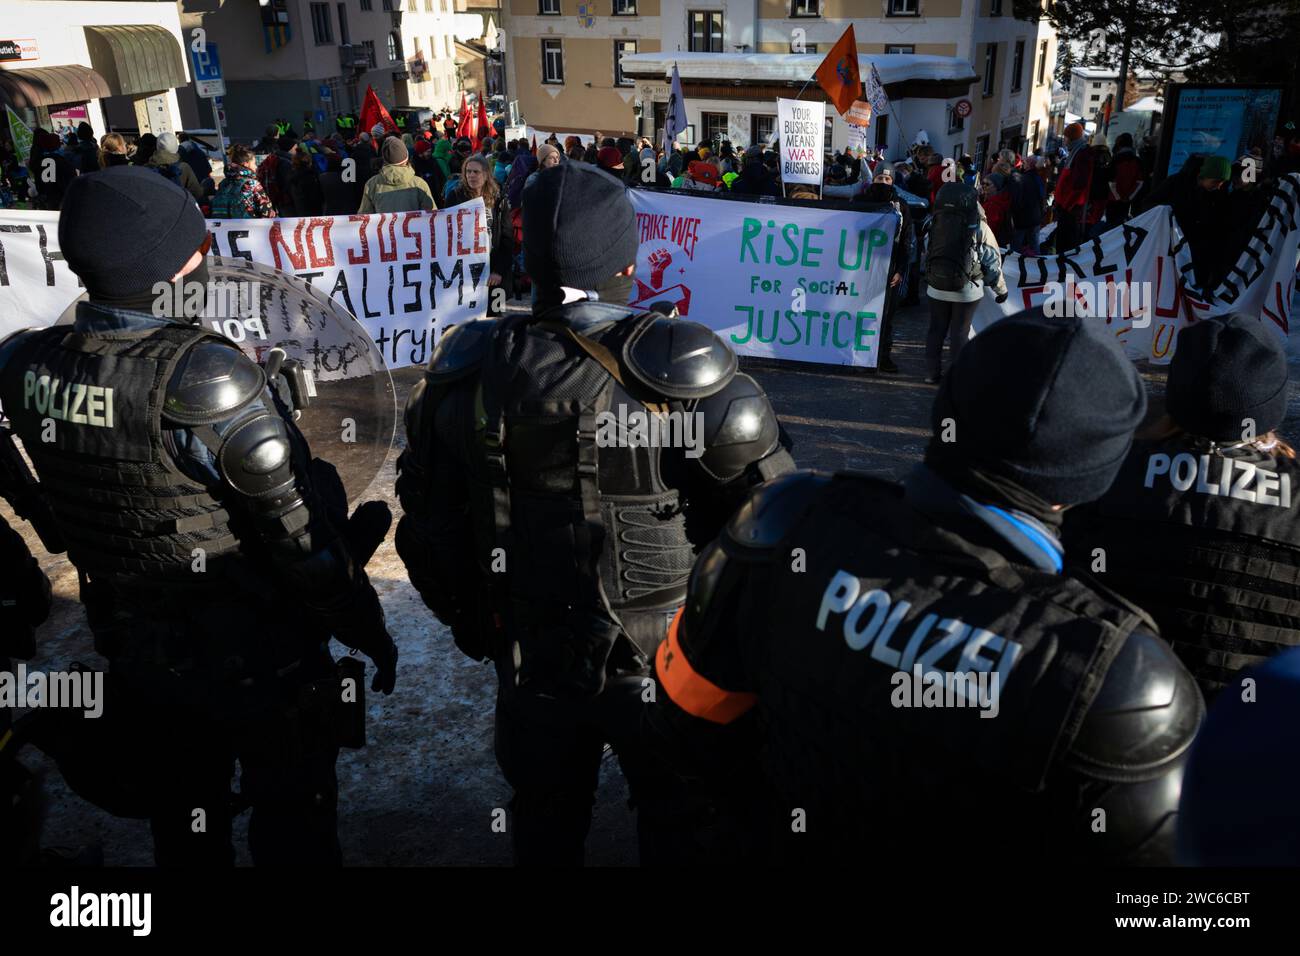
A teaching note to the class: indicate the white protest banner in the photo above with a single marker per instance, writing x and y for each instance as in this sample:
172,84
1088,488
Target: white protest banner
1138,279
1262,282
801,130
406,276
1127,277
788,282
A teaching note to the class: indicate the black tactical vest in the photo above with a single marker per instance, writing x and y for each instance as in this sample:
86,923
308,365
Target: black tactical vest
868,589
122,505
1209,545
587,546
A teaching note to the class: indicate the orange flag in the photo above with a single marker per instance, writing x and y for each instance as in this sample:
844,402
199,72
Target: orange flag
838,75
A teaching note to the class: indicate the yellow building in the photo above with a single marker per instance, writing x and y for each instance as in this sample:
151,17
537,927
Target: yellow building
563,76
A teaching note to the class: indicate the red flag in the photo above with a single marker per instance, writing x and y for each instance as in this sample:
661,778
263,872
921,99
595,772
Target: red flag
465,127
372,112
838,75
534,150
484,127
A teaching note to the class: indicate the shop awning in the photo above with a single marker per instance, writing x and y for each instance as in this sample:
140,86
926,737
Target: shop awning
51,86
136,58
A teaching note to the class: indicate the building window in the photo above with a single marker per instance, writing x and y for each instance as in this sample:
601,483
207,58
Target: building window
981,151
444,6
411,6
1094,98
369,47
957,151
995,8
394,47
387,5
1017,66
437,86
447,43
900,48
1042,62
806,8
882,130
990,68
428,6
320,24
1033,136
345,35
624,8
806,48
761,129
715,127
548,8
552,61
705,34
621,49
903,8
366,5
956,123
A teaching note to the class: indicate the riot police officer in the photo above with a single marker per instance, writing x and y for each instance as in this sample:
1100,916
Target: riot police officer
24,604
1202,525
561,469
1239,804
214,559
920,670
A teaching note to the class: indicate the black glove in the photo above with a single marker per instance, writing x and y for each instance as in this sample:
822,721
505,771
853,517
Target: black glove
1000,298
385,661
366,529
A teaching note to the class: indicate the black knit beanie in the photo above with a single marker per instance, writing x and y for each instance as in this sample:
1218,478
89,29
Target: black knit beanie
124,229
1228,378
579,227
1050,404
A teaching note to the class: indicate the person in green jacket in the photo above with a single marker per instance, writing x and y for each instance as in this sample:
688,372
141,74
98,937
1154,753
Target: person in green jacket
396,188
442,156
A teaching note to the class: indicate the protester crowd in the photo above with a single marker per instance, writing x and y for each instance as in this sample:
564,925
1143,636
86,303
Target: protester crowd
1031,202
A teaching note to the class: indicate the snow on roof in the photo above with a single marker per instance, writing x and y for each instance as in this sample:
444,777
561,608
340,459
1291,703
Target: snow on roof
1152,104
893,67
1095,73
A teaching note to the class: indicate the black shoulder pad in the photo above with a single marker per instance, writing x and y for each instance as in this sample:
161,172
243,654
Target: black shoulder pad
679,359
460,350
1144,716
10,343
740,428
256,458
212,381
773,508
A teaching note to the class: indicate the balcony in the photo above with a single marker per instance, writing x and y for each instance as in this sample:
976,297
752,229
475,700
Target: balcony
353,57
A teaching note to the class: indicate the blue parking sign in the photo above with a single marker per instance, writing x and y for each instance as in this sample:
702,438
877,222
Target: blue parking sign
208,81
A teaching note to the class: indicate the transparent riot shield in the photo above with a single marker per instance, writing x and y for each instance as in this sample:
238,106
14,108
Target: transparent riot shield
350,419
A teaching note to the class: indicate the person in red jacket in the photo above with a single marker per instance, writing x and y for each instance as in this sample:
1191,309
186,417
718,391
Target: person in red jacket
1072,189
935,175
997,206
1126,181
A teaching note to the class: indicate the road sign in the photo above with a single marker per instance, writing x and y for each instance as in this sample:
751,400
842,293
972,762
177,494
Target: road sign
962,108
207,72
325,94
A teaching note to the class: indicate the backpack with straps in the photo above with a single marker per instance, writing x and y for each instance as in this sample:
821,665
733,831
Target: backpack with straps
953,238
